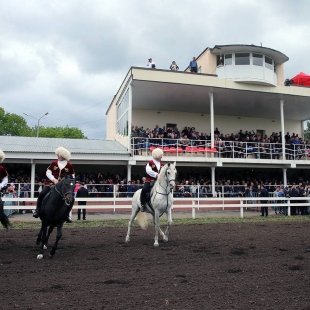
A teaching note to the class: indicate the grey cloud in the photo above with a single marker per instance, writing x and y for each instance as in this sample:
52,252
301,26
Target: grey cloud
104,38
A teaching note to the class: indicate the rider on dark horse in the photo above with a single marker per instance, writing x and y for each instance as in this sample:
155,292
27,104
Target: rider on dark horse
55,172
152,170
3,183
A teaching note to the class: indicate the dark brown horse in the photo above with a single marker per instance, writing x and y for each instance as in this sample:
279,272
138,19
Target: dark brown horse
55,207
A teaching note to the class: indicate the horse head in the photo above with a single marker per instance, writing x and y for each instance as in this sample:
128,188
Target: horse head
66,189
171,174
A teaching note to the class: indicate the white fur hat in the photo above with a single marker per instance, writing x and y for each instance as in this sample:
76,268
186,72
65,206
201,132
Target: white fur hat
2,156
157,153
63,153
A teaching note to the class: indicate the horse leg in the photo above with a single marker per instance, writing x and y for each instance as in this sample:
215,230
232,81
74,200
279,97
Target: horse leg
169,218
156,226
50,230
39,238
134,213
58,236
43,232
3,217
160,231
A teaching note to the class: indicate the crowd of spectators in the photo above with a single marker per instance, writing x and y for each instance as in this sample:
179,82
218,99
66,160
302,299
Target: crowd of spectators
187,185
233,145
102,185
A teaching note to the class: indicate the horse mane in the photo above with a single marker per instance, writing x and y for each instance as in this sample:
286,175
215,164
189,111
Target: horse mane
163,170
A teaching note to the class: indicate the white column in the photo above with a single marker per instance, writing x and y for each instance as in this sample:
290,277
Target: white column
212,118
213,181
128,173
284,170
33,174
129,115
282,128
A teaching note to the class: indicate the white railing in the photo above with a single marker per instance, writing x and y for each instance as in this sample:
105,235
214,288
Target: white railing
193,204
223,149
181,191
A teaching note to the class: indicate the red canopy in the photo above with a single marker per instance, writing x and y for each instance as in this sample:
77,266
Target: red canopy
301,79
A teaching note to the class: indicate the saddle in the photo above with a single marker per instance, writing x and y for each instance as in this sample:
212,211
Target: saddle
148,196
47,196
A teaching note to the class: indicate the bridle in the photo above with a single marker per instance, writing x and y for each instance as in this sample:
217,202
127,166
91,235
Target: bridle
167,189
64,195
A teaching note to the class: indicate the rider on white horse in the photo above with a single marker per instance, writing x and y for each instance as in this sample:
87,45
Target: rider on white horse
152,169
55,172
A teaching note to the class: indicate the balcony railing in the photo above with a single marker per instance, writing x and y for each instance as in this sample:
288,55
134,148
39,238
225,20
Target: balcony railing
222,149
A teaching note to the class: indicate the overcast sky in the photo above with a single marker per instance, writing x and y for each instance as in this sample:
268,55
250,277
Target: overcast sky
69,57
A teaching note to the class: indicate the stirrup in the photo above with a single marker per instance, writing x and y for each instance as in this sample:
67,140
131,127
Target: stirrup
35,214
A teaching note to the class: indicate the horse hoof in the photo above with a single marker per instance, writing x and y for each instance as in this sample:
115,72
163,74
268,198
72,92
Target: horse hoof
40,256
44,247
165,239
156,244
127,240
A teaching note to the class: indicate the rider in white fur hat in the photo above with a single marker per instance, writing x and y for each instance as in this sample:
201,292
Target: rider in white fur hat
64,153
152,170
56,171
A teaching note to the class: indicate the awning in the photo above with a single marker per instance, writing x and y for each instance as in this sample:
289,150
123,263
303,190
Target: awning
301,79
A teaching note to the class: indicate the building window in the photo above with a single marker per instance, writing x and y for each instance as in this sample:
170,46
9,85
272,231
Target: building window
257,60
242,58
122,115
228,59
269,63
219,60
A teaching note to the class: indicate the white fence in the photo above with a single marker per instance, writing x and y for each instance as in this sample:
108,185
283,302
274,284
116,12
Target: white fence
105,204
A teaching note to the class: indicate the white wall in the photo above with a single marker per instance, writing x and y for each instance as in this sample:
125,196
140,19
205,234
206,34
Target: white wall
250,73
225,124
111,122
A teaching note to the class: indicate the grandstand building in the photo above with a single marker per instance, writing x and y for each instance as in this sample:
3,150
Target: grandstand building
237,98
237,104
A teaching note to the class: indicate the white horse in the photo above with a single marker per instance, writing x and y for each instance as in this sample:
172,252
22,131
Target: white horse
161,202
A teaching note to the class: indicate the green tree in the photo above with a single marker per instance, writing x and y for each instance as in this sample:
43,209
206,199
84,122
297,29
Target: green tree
61,132
13,125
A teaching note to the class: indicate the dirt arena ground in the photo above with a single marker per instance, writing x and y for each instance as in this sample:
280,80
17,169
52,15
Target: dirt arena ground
262,265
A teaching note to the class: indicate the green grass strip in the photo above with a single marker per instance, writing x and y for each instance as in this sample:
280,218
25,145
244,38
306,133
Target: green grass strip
163,221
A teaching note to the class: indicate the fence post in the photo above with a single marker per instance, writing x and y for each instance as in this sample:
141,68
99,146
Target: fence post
241,209
288,208
193,209
114,197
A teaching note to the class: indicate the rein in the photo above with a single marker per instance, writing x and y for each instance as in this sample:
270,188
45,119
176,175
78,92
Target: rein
63,196
165,189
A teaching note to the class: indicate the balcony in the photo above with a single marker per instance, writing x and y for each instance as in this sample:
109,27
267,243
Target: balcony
228,150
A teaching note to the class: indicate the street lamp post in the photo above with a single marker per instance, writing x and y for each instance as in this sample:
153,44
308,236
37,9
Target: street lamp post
38,119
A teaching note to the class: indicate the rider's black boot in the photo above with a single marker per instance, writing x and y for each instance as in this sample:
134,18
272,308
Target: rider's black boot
36,212
143,199
68,219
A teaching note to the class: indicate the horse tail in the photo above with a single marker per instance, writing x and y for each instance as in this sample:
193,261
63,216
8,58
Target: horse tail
142,220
